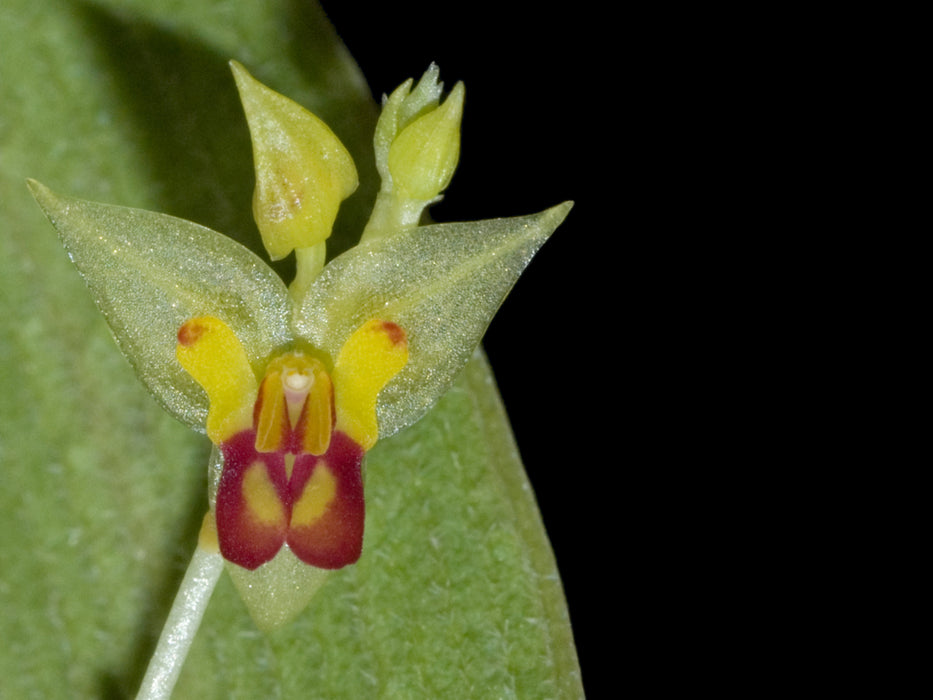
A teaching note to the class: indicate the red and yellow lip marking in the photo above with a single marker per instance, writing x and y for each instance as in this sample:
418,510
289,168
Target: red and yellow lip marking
318,509
326,528
293,444
251,508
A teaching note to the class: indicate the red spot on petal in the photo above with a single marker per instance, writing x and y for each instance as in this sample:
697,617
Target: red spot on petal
191,332
394,331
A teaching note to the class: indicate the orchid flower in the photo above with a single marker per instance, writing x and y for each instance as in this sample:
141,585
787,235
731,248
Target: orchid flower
294,385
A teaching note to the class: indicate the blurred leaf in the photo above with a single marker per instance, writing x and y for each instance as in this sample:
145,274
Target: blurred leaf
457,594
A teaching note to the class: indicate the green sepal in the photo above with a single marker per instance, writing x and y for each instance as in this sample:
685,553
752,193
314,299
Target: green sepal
442,284
149,273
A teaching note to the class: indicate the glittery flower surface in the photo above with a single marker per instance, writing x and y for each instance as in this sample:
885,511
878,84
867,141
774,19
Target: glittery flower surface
295,384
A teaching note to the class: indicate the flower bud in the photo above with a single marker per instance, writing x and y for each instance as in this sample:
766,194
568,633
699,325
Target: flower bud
303,172
423,157
399,109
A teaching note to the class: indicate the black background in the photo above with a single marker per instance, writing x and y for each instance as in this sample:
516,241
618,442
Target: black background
541,123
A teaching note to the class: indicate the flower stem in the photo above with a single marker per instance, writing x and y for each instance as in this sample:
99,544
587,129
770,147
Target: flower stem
392,214
184,618
308,263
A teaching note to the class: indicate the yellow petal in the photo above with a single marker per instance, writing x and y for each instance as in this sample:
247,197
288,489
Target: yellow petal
318,414
303,172
211,353
375,353
271,414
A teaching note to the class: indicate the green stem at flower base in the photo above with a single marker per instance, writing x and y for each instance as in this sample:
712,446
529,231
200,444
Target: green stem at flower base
182,623
308,265
392,214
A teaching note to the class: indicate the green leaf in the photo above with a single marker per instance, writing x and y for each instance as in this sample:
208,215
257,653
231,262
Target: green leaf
457,594
441,283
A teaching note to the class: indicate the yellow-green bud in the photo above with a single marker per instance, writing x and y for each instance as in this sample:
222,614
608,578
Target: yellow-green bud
399,109
417,146
423,157
303,172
